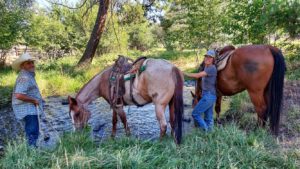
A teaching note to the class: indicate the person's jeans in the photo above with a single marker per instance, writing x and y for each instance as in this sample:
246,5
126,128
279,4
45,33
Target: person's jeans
31,129
205,107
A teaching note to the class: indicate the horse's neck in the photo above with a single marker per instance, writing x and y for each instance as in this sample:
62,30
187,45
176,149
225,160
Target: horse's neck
90,91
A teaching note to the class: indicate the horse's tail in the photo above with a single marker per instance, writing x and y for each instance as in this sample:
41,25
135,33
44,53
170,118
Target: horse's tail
275,90
178,104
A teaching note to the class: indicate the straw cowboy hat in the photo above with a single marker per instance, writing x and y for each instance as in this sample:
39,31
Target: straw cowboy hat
23,58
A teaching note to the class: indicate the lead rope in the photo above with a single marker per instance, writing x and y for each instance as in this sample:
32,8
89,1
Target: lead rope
46,133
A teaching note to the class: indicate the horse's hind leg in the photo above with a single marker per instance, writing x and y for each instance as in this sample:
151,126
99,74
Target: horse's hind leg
260,105
160,115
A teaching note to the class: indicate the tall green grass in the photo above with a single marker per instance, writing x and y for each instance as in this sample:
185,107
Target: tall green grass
227,147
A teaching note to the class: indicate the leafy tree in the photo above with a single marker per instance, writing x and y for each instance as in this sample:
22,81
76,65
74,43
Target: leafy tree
192,23
285,15
46,33
96,34
12,22
247,21
137,26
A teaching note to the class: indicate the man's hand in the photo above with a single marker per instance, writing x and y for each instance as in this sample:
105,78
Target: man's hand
26,98
36,102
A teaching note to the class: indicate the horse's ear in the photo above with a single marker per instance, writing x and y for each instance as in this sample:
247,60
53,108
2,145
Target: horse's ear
72,101
193,94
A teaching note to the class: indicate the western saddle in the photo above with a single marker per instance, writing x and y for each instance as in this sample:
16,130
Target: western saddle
123,69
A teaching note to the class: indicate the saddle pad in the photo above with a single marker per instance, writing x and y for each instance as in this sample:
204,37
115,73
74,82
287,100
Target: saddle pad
141,69
222,60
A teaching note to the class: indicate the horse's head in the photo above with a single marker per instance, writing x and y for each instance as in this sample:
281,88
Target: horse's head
78,114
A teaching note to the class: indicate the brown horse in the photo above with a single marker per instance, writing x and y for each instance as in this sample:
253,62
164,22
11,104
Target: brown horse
160,83
260,70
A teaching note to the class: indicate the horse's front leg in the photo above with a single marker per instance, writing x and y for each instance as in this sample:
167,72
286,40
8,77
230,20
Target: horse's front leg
114,123
123,118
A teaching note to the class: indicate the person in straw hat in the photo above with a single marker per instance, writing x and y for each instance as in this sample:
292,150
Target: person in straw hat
27,99
206,103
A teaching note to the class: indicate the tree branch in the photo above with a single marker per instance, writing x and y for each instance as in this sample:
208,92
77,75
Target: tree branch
90,7
61,4
113,24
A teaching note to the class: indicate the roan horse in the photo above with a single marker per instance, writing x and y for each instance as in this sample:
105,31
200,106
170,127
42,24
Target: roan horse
160,83
260,70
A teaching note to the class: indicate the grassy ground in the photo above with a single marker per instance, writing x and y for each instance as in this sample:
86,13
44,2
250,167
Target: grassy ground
227,147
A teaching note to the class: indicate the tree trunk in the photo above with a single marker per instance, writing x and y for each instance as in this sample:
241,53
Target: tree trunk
98,29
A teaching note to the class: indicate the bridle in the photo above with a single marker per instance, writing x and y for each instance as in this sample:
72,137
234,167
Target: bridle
74,124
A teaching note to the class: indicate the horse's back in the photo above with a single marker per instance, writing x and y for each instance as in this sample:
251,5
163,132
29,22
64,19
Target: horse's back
250,67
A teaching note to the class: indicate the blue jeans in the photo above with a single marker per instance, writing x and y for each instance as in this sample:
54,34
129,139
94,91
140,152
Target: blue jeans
205,106
31,129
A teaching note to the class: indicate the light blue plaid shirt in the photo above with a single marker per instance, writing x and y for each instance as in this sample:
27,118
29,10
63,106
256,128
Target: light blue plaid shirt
26,84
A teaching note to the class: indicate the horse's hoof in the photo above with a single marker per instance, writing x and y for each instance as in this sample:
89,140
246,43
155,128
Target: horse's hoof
128,134
112,136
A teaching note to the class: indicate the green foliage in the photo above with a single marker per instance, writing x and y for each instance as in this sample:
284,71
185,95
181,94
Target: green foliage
247,21
291,51
12,23
204,22
285,15
200,23
138,28
223,148
46,33
69,29
174,28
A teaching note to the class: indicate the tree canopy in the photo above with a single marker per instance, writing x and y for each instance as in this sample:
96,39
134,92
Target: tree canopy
172,24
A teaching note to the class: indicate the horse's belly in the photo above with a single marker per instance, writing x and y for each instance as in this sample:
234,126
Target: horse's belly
135,93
